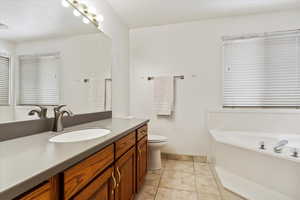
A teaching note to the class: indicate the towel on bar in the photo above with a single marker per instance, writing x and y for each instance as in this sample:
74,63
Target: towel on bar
164,95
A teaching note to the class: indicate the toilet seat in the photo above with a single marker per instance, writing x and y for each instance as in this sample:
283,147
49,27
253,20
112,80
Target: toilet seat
157,139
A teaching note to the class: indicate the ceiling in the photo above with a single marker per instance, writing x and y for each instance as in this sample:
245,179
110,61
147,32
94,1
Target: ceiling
142,13
39,19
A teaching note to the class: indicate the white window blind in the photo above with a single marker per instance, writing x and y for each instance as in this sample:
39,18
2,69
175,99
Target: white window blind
262,71
39,79
4,80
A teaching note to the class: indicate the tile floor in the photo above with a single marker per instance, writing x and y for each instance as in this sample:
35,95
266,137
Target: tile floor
183,180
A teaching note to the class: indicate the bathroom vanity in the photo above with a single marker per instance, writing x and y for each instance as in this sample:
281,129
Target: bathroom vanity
112,167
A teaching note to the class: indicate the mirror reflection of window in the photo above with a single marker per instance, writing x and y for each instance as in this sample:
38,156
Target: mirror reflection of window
4,80
39,79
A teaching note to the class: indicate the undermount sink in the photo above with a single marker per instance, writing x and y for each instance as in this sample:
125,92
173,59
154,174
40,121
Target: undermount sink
82,135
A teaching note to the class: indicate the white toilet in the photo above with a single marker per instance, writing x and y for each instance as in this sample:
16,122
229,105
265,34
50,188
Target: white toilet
156,142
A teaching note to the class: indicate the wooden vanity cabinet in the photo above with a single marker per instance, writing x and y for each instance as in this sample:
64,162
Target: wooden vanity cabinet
142,132
102,188
41,192
125,168
116,172
142,161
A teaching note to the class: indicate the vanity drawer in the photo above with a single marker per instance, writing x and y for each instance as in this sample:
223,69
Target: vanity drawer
42,192
142,132
81,174
124,144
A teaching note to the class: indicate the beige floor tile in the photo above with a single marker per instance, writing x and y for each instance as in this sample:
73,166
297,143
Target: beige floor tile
158,172
152,179
205,181
171,194
202,168
163,163
227,195
147,193
184,166
178,180
207,188
208,196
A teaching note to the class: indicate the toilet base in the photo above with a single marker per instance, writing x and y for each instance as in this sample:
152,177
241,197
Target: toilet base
155,159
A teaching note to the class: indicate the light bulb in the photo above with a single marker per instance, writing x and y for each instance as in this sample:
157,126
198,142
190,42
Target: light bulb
65,4
100,18
76,13
92,10
85,20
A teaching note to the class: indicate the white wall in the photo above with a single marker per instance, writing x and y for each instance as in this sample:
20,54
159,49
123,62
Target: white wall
119,33
7,47
190,49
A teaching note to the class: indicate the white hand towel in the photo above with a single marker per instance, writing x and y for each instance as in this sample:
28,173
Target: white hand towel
164,95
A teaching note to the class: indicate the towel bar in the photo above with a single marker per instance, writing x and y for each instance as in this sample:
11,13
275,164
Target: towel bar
152,77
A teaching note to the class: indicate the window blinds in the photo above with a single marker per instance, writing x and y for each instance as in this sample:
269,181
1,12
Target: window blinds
262,71
39,81
4,80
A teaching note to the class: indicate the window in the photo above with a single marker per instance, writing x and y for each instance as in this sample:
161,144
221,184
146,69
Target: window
262,70
4,80
39,80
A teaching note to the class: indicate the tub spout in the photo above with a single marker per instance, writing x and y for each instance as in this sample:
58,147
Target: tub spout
279,146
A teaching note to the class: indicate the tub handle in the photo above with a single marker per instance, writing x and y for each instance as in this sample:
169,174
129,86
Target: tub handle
295,153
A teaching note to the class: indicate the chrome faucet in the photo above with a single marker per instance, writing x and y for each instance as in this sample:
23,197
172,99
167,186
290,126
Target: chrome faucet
279,146
42,112
58,115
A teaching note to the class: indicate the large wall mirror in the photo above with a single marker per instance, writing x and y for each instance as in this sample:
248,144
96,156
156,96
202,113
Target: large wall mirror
49,57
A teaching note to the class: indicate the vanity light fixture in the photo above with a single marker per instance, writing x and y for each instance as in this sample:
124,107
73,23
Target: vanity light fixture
88,13
85,20
100,18
76,13
65,4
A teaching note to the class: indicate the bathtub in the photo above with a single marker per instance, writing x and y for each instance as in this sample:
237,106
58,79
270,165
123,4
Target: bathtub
253,173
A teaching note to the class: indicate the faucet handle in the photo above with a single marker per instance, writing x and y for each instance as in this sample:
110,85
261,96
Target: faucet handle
43,108
42,113
262,145
57,108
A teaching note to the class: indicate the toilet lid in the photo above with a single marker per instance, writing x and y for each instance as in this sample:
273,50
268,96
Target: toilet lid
157,138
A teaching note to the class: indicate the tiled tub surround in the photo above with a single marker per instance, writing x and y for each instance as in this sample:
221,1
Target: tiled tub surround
27,161
188,180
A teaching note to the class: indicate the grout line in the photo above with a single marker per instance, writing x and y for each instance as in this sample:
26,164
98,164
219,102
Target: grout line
160,177
198,195
219,184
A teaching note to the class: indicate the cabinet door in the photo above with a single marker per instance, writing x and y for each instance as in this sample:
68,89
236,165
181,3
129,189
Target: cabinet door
125,169
78,176
102,188
142,161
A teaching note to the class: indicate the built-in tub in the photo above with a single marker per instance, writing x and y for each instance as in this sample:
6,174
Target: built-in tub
254,173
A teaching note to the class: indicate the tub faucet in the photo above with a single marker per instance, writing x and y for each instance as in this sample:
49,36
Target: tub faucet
262,145
58,115
279,146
